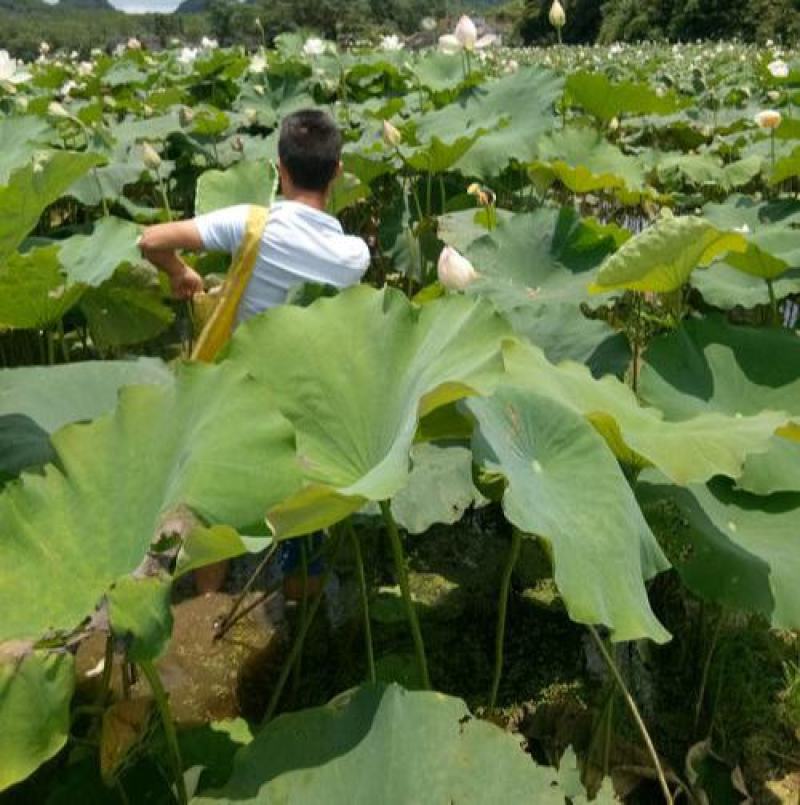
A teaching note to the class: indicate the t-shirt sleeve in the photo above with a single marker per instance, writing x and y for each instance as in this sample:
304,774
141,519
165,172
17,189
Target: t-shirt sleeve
223,230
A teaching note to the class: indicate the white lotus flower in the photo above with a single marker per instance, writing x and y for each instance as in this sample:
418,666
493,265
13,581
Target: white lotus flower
314,46
557,16
774,95
258,63
466,33
455,272
67,87
10,69
150,157
768,119
85,68
391,136
391,43
55,109
133,44
778,69
207,43
44,48
251,115
188,55
95,53
428,24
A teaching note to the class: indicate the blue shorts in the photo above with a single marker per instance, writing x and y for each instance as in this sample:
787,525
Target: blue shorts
290,555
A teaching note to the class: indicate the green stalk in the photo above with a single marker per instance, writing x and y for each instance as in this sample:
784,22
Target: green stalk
303,610
297,647
637,717
500,634
173,750
402,580
773,303
362,584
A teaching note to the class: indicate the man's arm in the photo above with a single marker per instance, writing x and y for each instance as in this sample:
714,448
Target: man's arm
159,245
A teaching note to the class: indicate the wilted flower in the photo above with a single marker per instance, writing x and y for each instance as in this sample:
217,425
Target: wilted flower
150,157
484,196
391,136
778,69
392,42
55,109
187,55
258,63
208,44
314,46
557,16
768,119
455,272
134,44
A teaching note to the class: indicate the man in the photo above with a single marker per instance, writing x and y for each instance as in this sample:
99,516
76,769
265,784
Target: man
301,242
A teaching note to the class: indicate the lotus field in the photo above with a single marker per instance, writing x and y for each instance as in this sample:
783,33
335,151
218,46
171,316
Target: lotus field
576,339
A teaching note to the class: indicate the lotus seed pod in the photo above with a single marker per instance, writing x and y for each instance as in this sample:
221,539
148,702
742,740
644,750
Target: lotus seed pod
557,16
455,272
391,136
768,119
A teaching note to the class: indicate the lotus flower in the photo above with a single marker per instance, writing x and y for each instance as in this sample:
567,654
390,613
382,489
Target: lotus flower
465,37
150,157
134,44
314,46
44,48
55,109
428,24
251,115
455,272
187,55
9,69
778,69
391,136
258,63
85,68
207,43
557,16
768,119
391,43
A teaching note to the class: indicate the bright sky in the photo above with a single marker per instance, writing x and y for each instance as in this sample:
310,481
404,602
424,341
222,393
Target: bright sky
140,6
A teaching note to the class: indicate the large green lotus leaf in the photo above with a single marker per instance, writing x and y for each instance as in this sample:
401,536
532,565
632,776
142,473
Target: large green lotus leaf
36,401
535,268
212,442
771,231
127,309
140,616
584,161
353,374
436,156
20,139
439,489
692,450
738,549
30,189
726,287
92,259
35,691
34,292
383,744
107,182
710,365
565,486
439,71
663,256
516,111
244,183
606,100
705,169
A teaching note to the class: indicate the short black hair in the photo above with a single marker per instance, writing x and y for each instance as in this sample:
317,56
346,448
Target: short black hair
310,147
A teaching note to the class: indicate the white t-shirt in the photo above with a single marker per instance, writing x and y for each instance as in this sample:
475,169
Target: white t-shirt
299,244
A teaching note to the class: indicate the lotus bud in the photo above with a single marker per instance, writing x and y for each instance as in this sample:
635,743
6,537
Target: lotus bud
251,115
455,272
134,44
258,89
613,124
768,119
186,116
774,95
55,109
147,111
237,144
466,33
44,48
109,102
150,157
391,136
557,16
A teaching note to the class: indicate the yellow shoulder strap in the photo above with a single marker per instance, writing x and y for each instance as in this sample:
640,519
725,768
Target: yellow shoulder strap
220,325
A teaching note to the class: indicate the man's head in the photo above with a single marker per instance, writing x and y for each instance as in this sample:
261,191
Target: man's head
310,149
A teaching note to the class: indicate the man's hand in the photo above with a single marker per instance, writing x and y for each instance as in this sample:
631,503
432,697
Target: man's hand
186,283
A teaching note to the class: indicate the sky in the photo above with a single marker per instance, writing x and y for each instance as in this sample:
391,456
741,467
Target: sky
140,6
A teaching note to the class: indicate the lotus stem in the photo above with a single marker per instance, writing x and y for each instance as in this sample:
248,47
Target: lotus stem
362,584
637,717
297,647
706,669
500,635
173,750
303,611
402,580
773,303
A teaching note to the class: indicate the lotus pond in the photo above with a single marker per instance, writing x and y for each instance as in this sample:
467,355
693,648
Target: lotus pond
562,504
